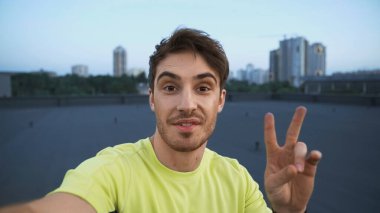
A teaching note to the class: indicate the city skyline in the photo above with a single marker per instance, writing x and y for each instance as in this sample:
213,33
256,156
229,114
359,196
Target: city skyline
296,59
56,35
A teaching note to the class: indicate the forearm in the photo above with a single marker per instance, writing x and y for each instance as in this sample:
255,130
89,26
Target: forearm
18,208
56,202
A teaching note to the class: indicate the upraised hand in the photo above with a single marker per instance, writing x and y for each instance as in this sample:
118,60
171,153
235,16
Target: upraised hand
290,173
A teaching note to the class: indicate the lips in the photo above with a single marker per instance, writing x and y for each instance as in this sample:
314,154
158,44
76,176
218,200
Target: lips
186,122
186,125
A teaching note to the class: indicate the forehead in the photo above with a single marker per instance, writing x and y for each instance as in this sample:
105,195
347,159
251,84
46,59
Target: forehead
185,65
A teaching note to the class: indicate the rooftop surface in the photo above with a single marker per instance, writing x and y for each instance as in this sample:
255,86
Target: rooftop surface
38,145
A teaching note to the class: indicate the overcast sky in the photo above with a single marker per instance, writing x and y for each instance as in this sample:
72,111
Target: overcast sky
54,35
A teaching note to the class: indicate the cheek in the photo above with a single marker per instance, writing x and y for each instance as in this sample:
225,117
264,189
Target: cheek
212,108
161,108
215,103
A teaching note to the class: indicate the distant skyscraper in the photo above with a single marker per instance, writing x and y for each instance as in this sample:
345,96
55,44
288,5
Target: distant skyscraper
258,76
274,64
119,61
295,59
252,75
80,70
316,60
242,75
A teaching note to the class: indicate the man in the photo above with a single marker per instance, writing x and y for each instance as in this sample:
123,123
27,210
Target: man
173,171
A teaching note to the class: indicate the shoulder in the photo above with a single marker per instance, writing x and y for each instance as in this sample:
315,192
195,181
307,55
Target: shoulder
101,179
111,157
125,149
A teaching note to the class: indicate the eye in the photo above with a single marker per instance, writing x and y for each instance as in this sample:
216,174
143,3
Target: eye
204,89
170,88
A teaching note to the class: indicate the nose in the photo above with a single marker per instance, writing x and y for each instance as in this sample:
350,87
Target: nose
187,102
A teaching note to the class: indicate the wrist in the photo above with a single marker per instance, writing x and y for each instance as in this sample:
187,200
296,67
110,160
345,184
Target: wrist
286,210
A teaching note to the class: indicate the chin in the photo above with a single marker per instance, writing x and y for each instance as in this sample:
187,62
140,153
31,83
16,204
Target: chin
186,143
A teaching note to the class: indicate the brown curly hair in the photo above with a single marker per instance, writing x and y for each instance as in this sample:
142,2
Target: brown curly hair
196,41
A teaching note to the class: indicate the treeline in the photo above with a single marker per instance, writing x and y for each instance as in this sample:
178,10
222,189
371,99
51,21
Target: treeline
41,84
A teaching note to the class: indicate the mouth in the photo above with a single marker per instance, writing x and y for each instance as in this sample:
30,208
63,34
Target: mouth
186,125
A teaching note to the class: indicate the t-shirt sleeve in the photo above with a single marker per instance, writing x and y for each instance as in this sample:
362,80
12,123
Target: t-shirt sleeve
254,202
95,181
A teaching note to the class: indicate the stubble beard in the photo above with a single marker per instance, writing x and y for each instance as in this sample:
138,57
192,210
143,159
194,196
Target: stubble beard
187,142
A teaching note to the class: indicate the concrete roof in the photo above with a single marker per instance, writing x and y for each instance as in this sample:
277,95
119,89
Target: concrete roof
38,145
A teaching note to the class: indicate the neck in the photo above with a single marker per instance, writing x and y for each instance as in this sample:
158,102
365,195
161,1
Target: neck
175,160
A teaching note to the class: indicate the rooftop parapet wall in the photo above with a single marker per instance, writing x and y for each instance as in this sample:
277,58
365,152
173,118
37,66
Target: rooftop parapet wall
65,101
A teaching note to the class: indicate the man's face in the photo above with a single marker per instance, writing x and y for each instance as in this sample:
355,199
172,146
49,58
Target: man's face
186,100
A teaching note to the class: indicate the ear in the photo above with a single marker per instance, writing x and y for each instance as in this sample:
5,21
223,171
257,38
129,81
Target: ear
151,99
222,100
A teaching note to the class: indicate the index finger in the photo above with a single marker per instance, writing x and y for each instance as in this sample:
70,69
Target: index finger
295,127
270,137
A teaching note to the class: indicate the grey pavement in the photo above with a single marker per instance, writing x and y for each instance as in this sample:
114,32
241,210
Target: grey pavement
38,145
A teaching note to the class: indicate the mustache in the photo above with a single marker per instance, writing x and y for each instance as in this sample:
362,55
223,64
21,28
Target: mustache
183,115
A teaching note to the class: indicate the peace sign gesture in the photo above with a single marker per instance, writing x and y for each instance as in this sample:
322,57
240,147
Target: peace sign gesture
289,174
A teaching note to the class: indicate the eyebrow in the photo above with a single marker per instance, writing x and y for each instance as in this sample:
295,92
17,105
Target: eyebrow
197,77
168,74
206,75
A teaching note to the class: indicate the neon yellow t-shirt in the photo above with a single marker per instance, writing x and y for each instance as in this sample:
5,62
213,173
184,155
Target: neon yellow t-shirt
130,178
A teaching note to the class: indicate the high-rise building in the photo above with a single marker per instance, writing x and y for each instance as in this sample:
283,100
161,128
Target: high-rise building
295,59
258,76
252,75
242,75
80,70
316,60
274,64
119,61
